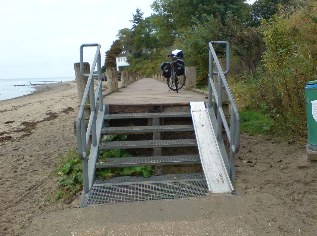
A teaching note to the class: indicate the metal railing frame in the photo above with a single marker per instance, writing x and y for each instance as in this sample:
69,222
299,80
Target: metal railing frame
87,134
215,102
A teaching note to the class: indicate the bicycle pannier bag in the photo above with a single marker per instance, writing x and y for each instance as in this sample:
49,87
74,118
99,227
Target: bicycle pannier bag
166,70
179,67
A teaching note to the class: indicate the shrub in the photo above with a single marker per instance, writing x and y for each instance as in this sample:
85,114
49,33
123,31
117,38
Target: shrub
290,59
69,172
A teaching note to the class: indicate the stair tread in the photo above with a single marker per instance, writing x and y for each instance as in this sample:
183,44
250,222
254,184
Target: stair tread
149,160
146,115
149,143
132,189
155,178
139,129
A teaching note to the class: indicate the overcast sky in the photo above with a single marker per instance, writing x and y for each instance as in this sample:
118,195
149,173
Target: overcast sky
41,38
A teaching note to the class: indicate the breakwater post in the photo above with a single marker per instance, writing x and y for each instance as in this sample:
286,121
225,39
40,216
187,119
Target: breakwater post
81,82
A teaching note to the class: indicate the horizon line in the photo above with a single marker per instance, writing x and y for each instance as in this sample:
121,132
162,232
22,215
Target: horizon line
51,77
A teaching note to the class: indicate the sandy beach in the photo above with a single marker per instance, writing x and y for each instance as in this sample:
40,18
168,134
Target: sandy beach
276,184
34,131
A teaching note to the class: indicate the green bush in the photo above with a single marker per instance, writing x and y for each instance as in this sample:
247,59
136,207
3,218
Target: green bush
290,59
70,177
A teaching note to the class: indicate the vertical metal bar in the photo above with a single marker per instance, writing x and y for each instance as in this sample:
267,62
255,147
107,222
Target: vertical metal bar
232,144
85,175
81,66
100,81
93,113
79,140
215,81
83,136
227,58
210,78
84,154
219,120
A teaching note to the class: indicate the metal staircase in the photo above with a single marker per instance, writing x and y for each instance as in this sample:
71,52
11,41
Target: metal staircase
176,146
186,161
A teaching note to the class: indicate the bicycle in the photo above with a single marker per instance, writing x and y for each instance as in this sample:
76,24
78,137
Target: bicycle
174,72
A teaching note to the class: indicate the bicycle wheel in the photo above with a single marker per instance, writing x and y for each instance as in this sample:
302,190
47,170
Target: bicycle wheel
177,83
181,81
172,84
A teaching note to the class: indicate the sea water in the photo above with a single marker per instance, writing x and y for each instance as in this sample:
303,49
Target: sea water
12,88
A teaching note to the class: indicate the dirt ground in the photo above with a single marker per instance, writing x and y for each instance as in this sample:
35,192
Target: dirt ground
275,181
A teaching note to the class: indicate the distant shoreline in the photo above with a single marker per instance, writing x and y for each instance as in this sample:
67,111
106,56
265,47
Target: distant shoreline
11,89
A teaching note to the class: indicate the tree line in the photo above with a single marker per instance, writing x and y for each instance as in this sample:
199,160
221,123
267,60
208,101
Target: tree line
190,25
273,47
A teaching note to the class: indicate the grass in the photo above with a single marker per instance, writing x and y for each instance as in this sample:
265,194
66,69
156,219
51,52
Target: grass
254,122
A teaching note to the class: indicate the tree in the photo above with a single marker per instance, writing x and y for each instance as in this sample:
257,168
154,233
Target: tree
182,12
112,53
249,46
265,9
194,41
137,18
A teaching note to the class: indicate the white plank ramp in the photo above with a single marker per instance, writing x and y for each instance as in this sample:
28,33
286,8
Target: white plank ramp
212,162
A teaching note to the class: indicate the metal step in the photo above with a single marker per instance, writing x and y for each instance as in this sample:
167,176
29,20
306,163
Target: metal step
146,115
149,161
149,144
147,129
132,189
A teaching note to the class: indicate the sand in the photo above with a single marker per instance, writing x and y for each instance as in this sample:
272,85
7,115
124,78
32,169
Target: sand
276,184
34,131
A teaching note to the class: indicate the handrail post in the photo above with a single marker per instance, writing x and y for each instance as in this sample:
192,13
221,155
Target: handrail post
218,84
219,120
88,95
209,80
100,81
233,124
93,113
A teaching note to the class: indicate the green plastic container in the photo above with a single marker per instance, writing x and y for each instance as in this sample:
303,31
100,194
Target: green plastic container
311,112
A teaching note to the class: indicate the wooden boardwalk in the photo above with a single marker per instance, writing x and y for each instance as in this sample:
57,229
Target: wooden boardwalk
151,91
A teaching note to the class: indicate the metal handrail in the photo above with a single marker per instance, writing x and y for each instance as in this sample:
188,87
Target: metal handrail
215,102
87,137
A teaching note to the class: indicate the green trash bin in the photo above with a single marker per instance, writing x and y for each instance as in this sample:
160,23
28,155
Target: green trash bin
311,112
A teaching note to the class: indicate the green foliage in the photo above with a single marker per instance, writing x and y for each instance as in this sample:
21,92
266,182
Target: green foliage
266,9
69,172
277,88
253,122
249,46
115,50
182,12
181,24
290,61
145,171
194,42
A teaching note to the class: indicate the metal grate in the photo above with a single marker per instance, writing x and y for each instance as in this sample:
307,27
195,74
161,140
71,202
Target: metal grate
149,160
149,144
147,129
145,191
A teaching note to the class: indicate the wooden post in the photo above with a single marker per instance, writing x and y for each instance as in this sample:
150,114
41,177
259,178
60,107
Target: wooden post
112,80
191,77
81,82
131,78
124,78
